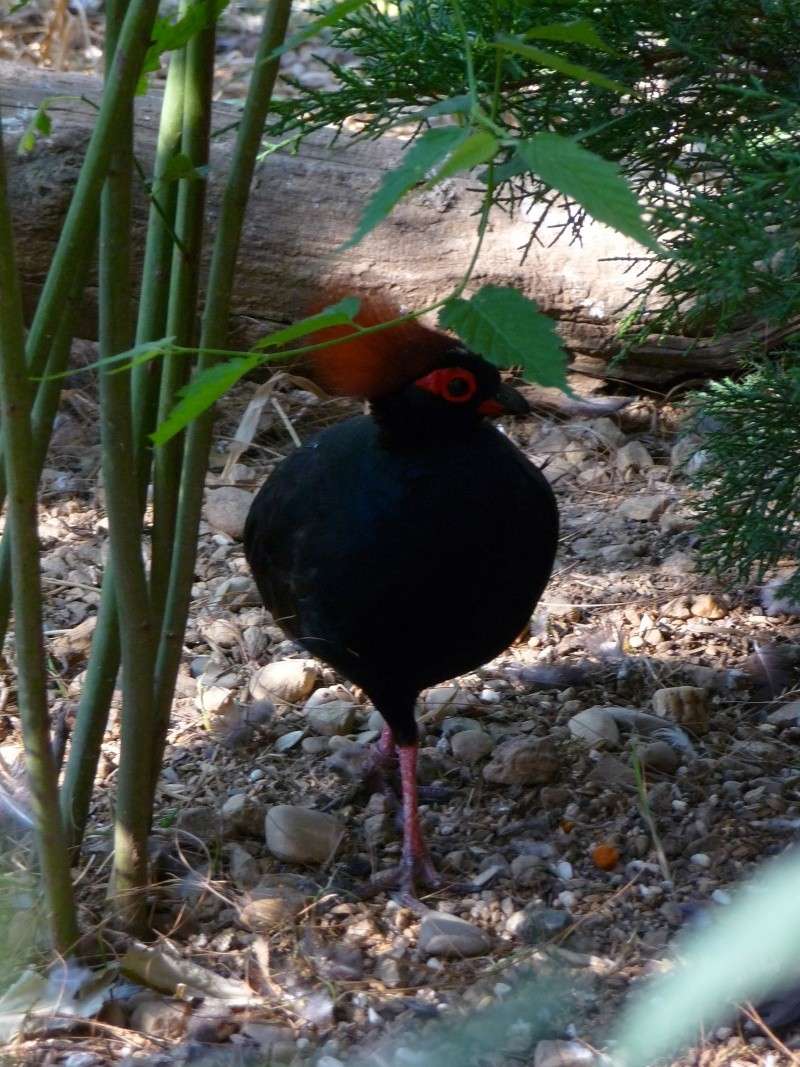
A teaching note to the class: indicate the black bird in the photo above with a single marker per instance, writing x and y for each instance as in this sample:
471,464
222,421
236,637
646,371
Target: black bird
409,545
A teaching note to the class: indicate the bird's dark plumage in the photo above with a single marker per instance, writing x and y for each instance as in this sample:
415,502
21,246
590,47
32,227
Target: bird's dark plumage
410,545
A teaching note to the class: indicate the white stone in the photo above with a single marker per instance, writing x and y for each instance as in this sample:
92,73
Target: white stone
289,680
226,510
301,835
593,725
451,937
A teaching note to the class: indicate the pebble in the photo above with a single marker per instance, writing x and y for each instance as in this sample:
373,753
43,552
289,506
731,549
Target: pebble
643,508
700,859
679,608
523,761
594,724
721,897
444,700
288,680
159,1017
314,746
633,457
786,713
240,816
226,510
661,757
708,606
272,909
563,1054
450,937
334,718
288,741
686,705
469,746
301,835
537,924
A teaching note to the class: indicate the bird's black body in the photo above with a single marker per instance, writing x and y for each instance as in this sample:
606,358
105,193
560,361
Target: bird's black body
405,547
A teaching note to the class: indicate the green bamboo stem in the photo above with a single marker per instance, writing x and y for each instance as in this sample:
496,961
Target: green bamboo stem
131,816
185,278
213,334
15,401
44,412
92,716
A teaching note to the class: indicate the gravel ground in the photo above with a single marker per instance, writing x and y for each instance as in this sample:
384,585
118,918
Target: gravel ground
598,834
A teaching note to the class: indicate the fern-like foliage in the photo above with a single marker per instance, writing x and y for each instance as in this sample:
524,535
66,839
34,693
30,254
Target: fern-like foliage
749,518
707,137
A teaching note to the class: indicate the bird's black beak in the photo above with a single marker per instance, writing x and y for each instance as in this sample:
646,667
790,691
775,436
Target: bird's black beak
506,401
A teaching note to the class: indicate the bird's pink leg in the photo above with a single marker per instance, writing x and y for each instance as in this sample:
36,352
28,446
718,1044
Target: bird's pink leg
416,863
386,746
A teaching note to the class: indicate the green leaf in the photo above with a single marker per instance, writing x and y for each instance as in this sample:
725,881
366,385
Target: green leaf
336,14
132,357
477,148
595,183
201,392
508,329
167,36
340,314
423,154
180,166
40,125
558,63
581,31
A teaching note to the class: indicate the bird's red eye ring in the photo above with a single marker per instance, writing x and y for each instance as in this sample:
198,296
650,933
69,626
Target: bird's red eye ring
454,384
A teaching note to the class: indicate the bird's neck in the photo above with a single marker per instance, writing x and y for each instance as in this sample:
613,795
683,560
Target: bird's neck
404,424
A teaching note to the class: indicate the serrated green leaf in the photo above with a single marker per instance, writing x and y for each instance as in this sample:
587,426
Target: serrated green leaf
132,357
508,329
421,157
201,392
167,36
558,63
336,14
594,183
339,314
581,31
180,166
477,148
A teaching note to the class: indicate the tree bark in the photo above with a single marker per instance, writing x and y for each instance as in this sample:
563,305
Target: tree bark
305,205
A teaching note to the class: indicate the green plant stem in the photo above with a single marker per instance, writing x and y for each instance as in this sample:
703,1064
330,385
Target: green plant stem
44,411
21,476
213,334
131,817
185,276
104,659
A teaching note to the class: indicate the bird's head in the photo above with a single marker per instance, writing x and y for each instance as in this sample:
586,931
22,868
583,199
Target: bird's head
411,368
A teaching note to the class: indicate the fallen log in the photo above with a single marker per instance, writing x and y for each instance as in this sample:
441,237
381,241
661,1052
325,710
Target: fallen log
305,204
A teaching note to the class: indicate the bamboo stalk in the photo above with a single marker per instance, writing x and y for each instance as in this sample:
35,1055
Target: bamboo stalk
131,817
213,334
185,278
21,476
104,659
44,412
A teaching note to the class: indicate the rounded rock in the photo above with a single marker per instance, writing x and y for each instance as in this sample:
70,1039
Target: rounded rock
226,510
523,761
593,725
451,937
288,680
336,717
469,746
301,835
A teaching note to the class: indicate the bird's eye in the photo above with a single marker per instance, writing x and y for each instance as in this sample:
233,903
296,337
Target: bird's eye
458,387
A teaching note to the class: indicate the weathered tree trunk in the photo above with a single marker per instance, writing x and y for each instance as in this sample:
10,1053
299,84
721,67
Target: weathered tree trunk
305,205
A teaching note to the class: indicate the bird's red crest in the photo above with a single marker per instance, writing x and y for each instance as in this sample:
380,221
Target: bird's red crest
374,365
